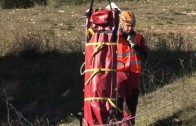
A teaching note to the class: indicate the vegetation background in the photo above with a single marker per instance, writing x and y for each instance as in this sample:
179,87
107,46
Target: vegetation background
41,52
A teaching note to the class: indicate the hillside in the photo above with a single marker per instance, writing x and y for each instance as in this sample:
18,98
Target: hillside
171,105
41,51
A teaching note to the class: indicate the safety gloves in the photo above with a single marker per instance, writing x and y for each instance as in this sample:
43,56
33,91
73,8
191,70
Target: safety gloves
131,40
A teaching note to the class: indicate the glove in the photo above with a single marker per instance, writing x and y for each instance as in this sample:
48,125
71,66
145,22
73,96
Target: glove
132,44
131,41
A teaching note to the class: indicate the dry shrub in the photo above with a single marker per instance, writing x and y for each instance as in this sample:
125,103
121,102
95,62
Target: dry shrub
170,55
26,41
8,4
170,41
54,3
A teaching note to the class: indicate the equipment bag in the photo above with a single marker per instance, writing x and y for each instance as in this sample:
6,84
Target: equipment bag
100,65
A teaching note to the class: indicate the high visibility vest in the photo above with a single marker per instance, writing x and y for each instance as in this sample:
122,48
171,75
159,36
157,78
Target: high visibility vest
127,57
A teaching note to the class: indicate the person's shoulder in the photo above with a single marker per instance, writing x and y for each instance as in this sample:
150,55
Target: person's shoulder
139,33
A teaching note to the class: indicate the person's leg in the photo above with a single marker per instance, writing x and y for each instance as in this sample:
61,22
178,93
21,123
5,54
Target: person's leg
119,114
131,96
132,102
121,79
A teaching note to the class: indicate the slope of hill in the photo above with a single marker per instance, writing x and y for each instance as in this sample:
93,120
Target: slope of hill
41,54
171,105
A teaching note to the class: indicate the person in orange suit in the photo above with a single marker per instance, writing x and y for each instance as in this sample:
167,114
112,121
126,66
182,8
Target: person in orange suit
131,52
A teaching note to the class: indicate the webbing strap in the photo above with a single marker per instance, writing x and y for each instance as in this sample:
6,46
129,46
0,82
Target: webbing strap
91,31
99,98
97,70
101,43
99,46
110,100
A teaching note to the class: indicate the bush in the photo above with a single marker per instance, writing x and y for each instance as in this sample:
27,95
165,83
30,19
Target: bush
56,3
8,4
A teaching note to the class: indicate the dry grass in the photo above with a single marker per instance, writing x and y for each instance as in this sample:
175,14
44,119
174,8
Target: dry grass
168,26
173,104
153,17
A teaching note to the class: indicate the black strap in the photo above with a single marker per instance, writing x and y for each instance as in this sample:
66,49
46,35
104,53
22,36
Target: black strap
90,13
104,31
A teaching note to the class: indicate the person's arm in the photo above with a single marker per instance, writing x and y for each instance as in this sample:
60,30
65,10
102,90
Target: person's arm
142,49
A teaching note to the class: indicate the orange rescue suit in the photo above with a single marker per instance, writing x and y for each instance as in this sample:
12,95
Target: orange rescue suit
127,57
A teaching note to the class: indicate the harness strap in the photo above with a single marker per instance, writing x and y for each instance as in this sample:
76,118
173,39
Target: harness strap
101,43
110,100
99,46
97,70
91,31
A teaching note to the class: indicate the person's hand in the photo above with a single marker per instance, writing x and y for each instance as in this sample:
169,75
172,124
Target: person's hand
131,42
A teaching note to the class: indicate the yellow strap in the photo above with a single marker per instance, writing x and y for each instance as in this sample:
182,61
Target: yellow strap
110,100
97,49
100,69
91,31
112,104
95,71
99,46
101,43
99,98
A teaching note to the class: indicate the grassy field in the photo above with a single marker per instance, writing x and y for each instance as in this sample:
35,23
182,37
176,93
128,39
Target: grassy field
41,51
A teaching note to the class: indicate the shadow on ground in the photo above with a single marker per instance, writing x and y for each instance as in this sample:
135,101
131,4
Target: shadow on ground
165,66
41,86
179,118
49,86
